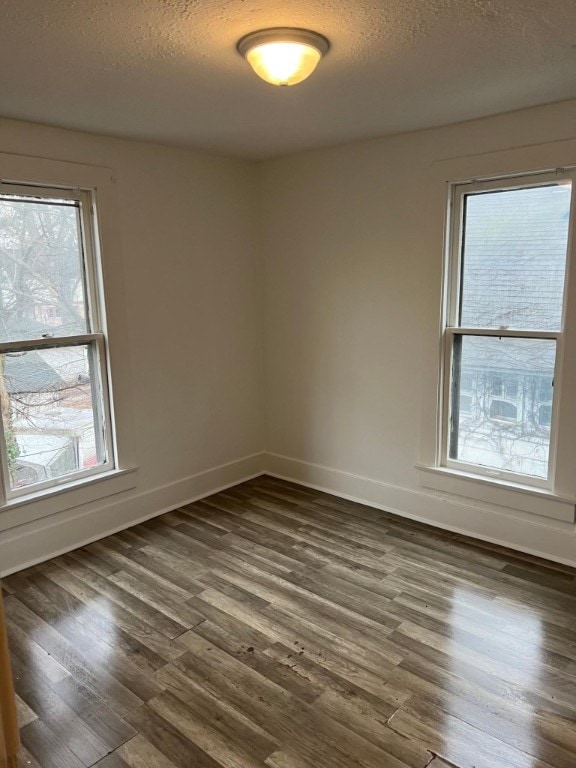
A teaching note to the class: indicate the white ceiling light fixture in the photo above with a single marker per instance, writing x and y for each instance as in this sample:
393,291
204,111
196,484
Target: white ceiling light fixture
283,55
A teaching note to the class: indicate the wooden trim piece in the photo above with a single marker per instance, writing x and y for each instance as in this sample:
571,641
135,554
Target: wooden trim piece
9,737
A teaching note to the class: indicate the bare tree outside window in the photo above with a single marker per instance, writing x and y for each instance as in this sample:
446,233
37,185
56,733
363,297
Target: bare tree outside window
41,273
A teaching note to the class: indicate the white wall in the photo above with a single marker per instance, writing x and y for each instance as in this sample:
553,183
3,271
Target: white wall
353,246
352,264
192,301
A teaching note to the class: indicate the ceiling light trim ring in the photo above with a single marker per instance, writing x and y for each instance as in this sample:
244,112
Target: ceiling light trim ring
283,35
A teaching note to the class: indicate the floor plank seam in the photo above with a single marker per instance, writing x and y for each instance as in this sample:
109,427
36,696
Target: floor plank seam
296,630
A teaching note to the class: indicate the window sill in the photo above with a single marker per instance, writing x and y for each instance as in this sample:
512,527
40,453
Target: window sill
34,506
524,498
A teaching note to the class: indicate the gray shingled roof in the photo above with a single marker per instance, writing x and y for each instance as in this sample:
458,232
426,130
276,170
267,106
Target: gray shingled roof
29,372
513,272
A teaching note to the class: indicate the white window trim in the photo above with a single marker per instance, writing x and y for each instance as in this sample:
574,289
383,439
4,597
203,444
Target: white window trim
94,339
558,501
513,496
96,187
452,329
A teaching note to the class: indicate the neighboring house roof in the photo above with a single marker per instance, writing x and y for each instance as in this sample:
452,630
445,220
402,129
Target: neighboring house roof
41,449
515,258
77,422
45,370
29,372
513,275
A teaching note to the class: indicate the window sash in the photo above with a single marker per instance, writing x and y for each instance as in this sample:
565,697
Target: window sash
456,233
28,345
90,252
448,394
40,191
452,327
498,333
96,344
95,341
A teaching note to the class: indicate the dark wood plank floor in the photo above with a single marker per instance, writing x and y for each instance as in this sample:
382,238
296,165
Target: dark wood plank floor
272,625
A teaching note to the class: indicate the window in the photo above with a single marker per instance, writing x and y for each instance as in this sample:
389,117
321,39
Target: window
465,404
545,415
56,424
503,335
503,410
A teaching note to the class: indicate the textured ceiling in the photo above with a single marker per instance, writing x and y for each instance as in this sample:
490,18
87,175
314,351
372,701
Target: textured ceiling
167,70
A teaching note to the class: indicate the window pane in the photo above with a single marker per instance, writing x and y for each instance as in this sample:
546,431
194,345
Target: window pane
50,424
507,428
41,269
514,258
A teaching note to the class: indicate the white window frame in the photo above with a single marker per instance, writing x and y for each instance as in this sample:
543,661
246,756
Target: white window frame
451,329
94,339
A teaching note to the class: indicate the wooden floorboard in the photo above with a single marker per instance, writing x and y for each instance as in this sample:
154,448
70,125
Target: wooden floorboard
276,626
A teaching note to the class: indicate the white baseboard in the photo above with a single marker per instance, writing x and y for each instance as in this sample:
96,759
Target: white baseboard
552,540
35,542
41,540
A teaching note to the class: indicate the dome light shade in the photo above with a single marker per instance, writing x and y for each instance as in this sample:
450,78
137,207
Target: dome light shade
283,56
